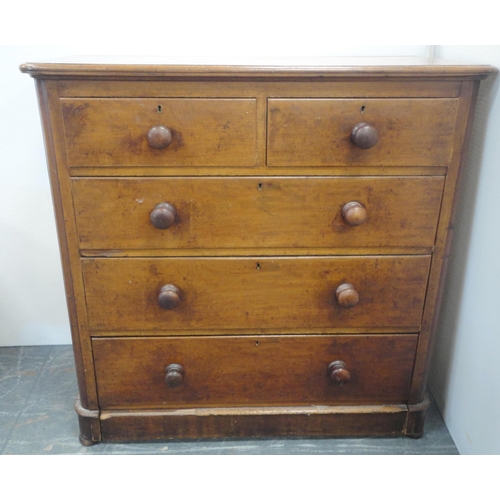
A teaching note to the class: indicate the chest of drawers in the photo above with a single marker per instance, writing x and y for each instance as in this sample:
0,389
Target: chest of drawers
254,250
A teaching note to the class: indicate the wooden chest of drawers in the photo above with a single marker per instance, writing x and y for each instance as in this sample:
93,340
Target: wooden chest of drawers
254,250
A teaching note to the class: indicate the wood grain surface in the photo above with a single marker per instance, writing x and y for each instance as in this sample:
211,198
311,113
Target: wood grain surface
199,68
258,88
201,423
253,371
225,213
265,293
312,132
205,132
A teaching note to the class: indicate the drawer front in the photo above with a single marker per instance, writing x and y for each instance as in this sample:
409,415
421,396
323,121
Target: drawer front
257,370
204,132
256,213
316,132
254,293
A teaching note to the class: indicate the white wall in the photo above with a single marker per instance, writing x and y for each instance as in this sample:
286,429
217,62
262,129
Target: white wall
32,301
465,370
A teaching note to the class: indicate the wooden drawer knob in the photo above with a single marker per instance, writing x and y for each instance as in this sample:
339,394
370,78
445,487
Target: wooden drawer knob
169,297
163,216
364,135
159,137
354,213
347,296
174,375
338,373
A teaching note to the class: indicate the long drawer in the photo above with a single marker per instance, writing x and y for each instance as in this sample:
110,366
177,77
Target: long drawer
258,370
164,294
160,132
277,212
317,132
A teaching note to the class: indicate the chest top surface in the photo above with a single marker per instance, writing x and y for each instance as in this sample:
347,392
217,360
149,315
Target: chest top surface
256,67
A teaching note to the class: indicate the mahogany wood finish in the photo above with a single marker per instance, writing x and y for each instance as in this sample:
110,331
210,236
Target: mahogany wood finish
253,370
117,132
169,297
354,213
364,135
247,293
271,212
309,132
163,216
315,421
347,295
338,373
254,249
159,137
174,375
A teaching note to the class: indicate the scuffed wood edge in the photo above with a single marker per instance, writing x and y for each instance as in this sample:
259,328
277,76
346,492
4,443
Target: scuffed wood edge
90,427
270,410
444,235
43,94
59,180
48,99
83,412
415,420
247,423
249,72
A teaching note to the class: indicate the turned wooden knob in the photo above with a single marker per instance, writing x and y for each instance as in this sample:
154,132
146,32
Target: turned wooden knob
174,375
163,215
364,135
338,373
354,213
169,297
159,137
347,296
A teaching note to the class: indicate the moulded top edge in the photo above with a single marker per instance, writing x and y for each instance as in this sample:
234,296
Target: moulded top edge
341,67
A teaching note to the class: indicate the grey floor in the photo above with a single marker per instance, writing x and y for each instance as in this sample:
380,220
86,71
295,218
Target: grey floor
37,393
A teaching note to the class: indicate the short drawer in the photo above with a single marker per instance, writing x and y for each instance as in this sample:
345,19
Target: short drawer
173,294
159,132
251,371
317,132
275,212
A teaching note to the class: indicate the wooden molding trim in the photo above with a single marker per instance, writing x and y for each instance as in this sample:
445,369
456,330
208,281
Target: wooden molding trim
335,68
416,418
313,421
90,427
83,412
